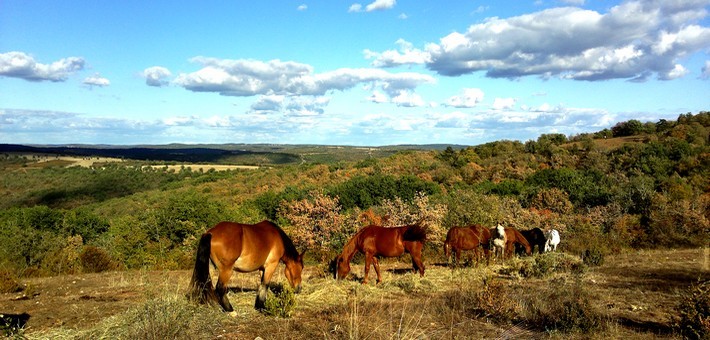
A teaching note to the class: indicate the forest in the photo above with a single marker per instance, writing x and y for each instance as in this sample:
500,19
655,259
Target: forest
634,187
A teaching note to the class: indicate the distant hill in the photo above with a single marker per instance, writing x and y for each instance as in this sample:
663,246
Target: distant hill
274,154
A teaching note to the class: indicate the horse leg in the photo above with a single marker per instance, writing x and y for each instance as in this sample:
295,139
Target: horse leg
377,269
368,262
266,275
457,251
225,273
416,253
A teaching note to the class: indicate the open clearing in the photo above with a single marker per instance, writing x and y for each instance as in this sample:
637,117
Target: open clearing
639,290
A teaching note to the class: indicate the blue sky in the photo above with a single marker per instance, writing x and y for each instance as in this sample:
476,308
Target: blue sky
344,72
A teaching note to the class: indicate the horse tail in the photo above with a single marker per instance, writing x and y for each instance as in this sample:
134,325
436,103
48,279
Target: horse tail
201,289
415,233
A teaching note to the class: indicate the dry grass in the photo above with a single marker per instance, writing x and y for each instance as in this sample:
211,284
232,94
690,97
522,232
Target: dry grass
633,295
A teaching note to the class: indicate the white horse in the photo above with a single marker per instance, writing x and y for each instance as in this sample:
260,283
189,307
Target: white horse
553,239
499,240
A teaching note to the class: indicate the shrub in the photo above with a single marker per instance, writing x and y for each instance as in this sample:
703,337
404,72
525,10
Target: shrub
694,312
493,300
95,260
8,283
566,308
544,265
593,257
281,303
366,191
316,222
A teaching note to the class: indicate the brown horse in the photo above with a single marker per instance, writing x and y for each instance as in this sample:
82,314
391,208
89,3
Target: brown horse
513,237
243,248
467,238
535,237
375,241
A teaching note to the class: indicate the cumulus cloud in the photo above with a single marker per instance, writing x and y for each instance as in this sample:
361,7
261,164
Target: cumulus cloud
302,7
406,54
253,77
377,5
156,76
467,99
22,65
96,80
633,40
503,103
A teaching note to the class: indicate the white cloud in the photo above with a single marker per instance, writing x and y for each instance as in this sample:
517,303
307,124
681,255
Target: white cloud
408,99
156,76
355,8
379,5
503,103
631,41
21,65
378,97
467,99
96,80
252,77
268,104
302,7
404,56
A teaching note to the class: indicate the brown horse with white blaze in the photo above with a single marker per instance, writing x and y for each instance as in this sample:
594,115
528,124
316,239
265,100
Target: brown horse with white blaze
374,241
243,248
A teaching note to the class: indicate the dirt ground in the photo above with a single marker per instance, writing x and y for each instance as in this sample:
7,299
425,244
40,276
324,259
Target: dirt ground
639,289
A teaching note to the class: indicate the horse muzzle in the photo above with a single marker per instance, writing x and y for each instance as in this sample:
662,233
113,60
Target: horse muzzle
298,289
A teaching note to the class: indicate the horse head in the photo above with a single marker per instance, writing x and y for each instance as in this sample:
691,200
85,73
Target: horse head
293,271
340,267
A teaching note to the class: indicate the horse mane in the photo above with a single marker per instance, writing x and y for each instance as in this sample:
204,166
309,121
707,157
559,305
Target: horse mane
414,233
350,248
290,250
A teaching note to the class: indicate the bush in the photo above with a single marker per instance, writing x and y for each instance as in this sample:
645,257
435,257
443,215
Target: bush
566,308
366,191
95,260
593,257
694,311
544,265
8,283
281,303
494,300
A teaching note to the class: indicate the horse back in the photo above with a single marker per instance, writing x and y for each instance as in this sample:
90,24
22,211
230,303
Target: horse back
252,244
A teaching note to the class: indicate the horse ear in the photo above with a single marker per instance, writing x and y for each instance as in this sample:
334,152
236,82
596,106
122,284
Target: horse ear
300,256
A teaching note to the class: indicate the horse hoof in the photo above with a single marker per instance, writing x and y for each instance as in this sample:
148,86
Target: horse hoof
233,314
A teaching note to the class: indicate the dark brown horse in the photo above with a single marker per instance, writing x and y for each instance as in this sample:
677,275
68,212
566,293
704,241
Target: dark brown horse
243,248
467,238
513,237
535,237
375,241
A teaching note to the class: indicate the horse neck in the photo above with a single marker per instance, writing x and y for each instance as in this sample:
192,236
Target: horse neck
350,248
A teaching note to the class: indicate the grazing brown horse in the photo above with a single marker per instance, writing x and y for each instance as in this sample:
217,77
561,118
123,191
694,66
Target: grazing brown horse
243,248
375,241
535,237
513,237
467,238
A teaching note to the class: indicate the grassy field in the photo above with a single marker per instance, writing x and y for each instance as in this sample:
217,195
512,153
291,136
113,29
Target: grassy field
632,295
